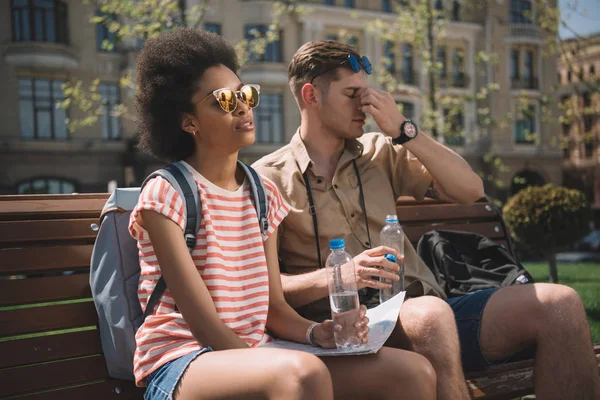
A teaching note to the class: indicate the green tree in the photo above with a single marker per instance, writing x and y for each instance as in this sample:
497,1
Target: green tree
548,219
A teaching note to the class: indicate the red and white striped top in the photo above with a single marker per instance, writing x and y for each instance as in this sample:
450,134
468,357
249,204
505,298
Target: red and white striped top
229,255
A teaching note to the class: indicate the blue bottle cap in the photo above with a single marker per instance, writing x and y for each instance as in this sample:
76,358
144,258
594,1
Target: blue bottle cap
336,244
391,218
390,257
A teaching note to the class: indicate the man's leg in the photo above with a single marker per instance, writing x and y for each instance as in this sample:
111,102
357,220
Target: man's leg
426,325
552,318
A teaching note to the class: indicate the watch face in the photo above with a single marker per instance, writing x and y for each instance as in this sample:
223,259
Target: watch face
410,130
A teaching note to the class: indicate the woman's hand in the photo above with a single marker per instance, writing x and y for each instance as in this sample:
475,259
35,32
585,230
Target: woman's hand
323,333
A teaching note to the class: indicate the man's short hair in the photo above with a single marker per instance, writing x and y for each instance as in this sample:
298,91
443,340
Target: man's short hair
318,58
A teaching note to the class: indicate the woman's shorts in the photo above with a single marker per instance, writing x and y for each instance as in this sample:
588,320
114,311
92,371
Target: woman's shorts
162,382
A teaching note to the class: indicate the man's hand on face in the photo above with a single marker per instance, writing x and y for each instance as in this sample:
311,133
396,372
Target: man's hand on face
372,263
382,106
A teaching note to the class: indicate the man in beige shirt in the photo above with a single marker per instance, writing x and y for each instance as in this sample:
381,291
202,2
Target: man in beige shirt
353,180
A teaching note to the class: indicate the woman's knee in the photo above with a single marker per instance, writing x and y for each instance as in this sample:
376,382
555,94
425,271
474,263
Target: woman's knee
415,377
297,374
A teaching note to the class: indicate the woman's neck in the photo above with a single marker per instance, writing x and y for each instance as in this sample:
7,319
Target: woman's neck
220,169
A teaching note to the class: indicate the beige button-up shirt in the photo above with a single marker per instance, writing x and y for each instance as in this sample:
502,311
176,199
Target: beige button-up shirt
387,171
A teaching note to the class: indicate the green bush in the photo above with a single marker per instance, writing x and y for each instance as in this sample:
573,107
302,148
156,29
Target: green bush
547,218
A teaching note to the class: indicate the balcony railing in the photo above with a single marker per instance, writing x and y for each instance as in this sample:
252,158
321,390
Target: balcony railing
525,31
458,80
525,83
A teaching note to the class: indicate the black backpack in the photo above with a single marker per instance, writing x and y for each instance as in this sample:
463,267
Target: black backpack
464,262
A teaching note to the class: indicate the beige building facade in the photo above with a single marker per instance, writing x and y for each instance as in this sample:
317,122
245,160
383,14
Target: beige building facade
579,78
38,154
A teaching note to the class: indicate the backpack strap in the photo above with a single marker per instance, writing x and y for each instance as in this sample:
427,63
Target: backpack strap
259,195
182,181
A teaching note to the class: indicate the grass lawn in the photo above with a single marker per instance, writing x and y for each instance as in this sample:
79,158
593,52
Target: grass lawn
584,278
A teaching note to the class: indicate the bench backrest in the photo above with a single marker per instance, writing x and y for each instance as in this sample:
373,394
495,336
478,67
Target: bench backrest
48,333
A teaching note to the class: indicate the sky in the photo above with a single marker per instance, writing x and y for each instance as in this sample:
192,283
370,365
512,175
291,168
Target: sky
585,20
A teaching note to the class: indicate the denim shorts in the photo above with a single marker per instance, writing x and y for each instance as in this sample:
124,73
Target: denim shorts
468,311
162,382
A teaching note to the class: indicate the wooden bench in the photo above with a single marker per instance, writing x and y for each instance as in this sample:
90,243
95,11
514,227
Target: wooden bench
49,345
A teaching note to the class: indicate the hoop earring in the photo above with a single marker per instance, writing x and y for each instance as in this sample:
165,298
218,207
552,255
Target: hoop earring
194,132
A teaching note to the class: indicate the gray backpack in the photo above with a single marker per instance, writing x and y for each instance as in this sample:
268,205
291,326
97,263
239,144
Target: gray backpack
115,268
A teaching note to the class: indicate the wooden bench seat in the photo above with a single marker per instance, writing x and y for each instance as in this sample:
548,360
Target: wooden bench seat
49,341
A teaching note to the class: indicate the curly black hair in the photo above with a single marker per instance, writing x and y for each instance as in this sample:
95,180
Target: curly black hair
168,69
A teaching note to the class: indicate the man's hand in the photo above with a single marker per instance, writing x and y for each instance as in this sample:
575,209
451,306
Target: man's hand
372,263
382,106
323,333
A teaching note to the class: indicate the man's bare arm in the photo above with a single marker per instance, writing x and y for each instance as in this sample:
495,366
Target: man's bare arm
436,192
304,289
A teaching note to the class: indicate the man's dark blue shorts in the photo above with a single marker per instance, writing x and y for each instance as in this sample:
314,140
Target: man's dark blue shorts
468,311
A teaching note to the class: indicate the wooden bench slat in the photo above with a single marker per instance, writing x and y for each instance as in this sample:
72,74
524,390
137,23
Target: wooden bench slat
492,230
18,233
46,289
30,260
110,390
49,375
506,381
442,212
49,207
41,319
49,348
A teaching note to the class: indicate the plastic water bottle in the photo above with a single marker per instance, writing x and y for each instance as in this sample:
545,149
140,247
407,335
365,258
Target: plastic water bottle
392,236
343,295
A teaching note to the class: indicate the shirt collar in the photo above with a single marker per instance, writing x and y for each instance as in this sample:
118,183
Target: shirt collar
354,147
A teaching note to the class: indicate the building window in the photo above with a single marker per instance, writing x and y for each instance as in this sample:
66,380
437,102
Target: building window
38,114
105,39
569,76
455,11
273,49
110,121
214,28
441,59
438,5
454,127
386,6
592,71
331,37
329,2
350,3
353,41
528,73
40,21
46,186
408,109
520,11
514,65
390,57
458,75
524,129
407,64
268,117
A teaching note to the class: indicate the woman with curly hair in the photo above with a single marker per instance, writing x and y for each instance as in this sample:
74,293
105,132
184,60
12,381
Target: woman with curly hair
192,107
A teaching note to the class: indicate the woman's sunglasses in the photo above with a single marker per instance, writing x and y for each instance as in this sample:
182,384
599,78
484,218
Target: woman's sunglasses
227,98
354,63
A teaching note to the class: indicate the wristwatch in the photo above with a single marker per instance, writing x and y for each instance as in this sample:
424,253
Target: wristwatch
408,131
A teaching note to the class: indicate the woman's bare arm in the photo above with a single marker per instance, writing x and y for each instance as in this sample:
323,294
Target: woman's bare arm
186,285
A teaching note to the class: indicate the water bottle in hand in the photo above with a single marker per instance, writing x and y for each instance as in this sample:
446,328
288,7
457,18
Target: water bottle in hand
392,236
343,294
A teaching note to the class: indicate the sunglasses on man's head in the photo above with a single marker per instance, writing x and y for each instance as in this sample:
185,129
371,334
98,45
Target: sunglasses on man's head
354,63
227,98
